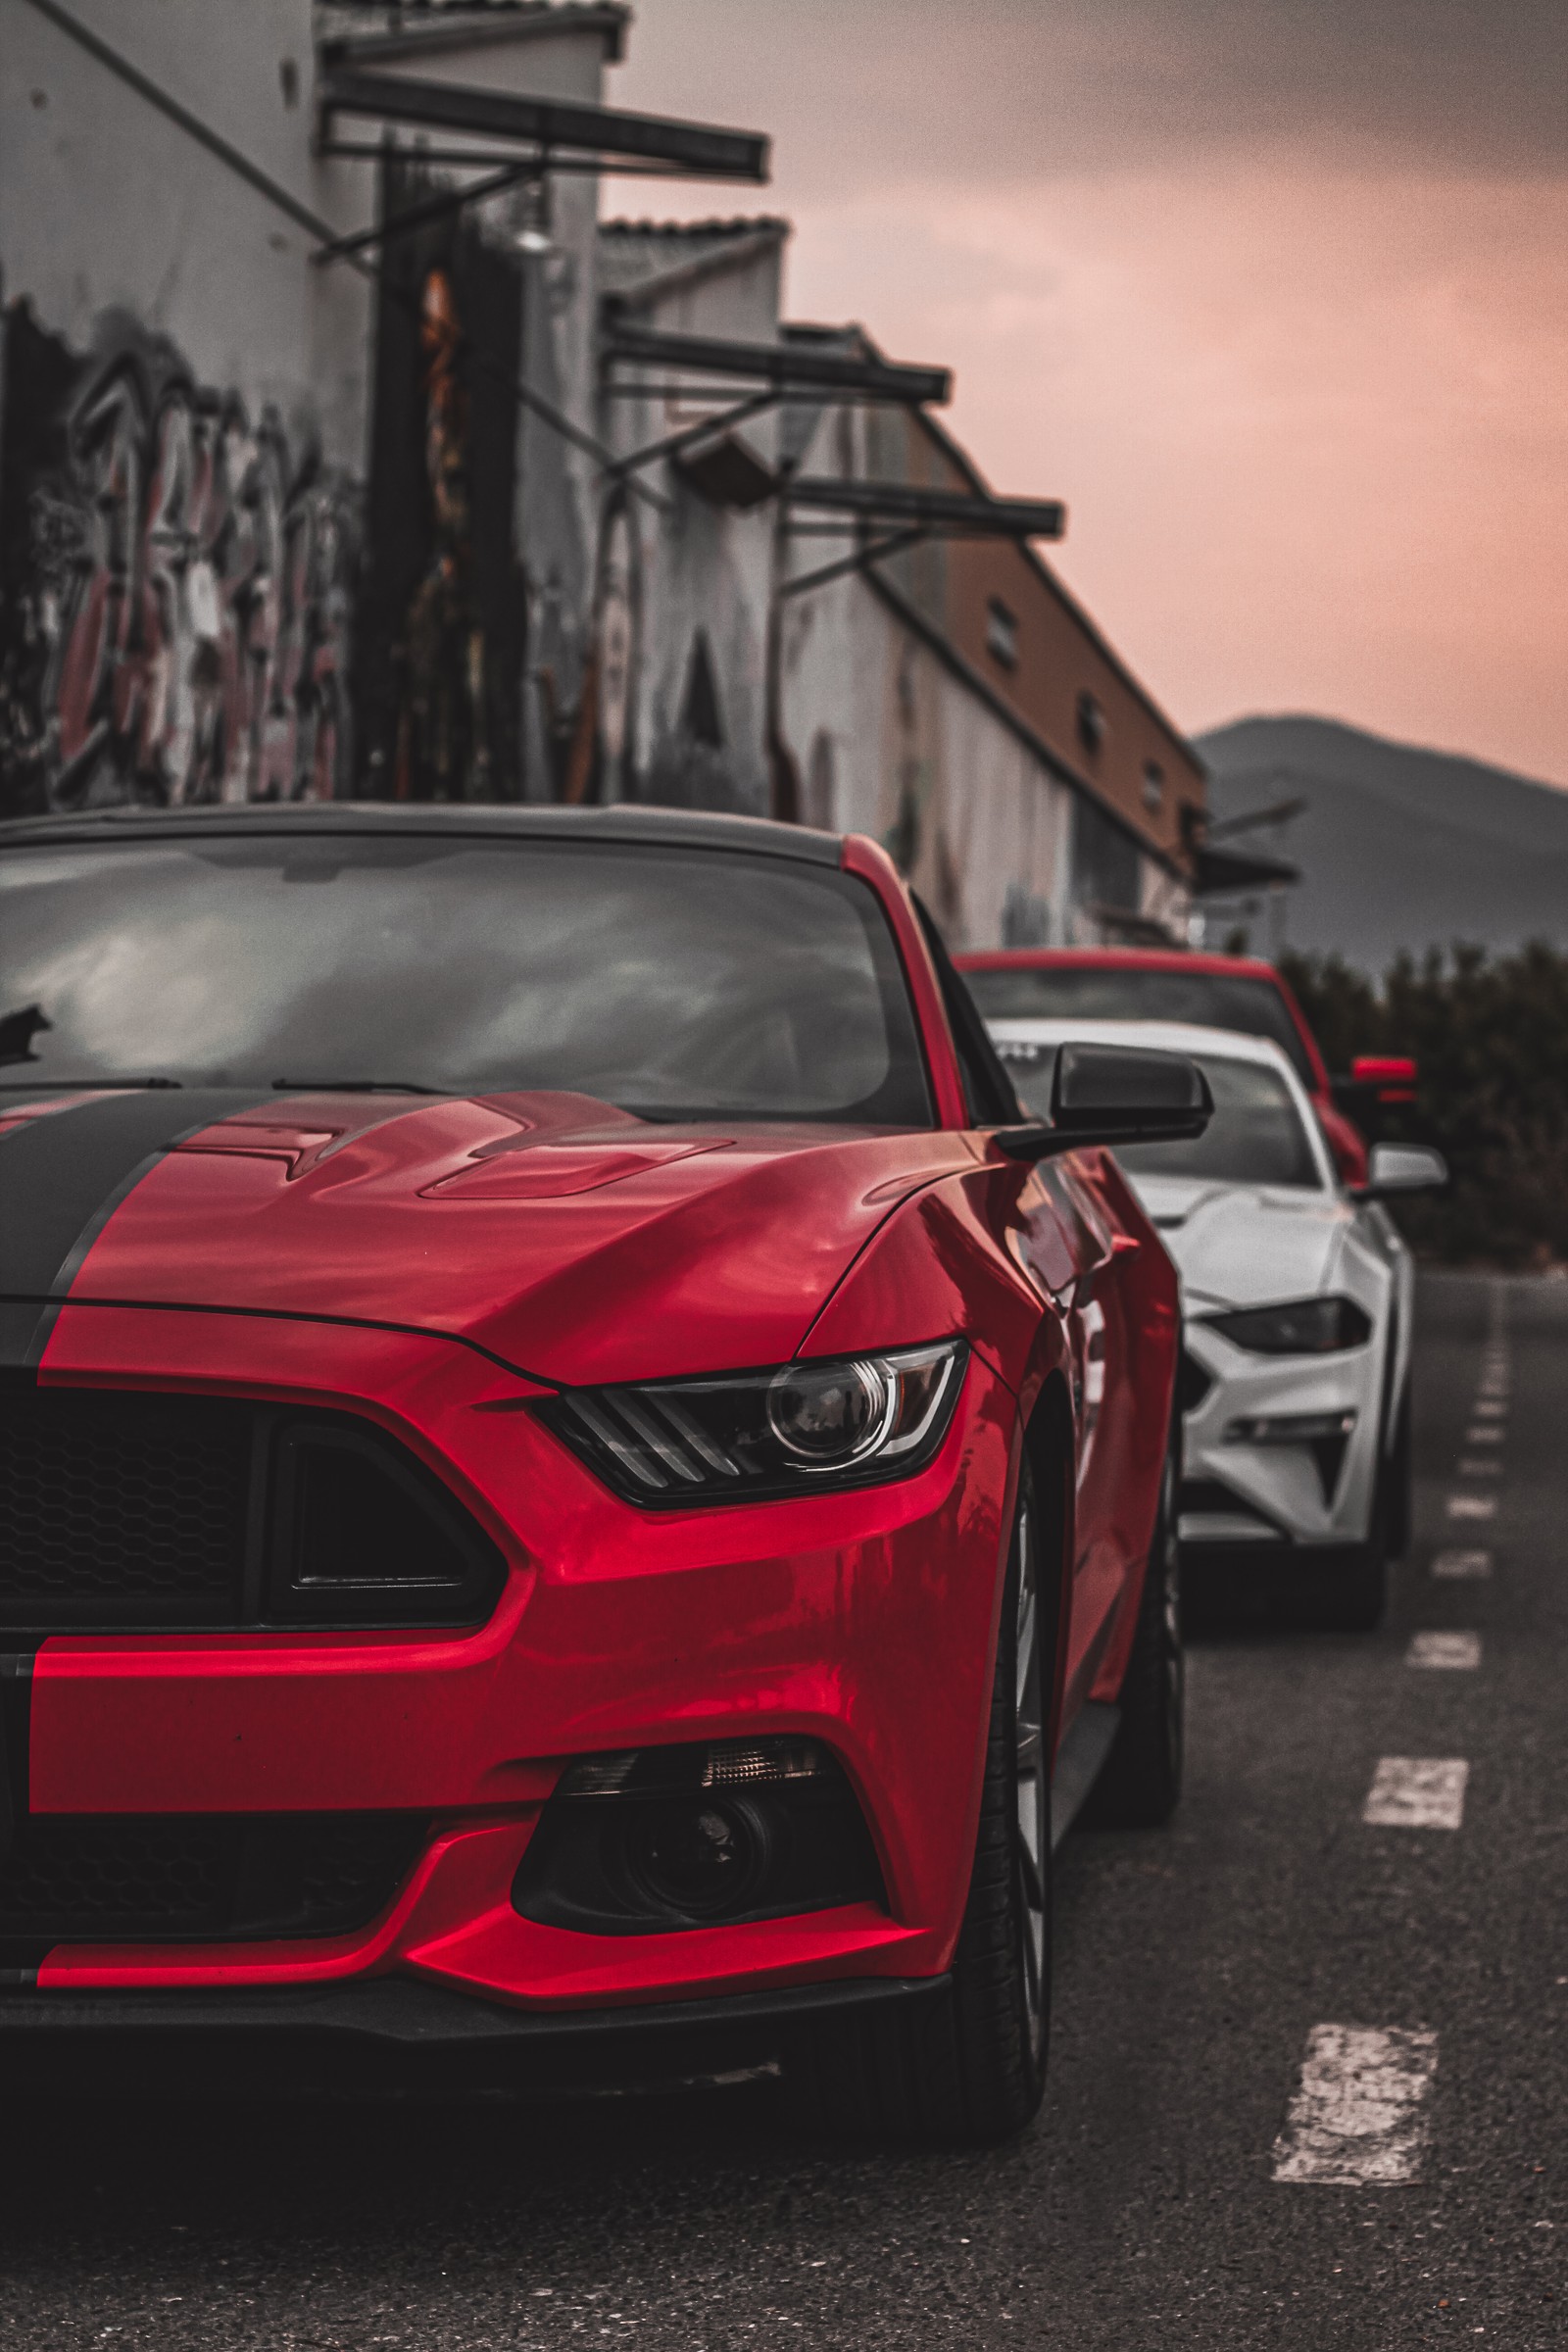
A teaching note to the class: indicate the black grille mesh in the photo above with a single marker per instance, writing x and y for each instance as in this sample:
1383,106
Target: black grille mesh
122,1497
119,1510
120,1879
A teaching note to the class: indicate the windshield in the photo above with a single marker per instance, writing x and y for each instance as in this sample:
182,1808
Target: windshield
669,982
1257,1135
1111,992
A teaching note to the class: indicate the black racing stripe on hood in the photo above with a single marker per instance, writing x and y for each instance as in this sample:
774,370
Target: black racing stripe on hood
63,1176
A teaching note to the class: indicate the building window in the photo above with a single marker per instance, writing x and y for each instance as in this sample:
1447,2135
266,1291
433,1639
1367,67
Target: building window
1154,786
1002,633
1092,724
1106,872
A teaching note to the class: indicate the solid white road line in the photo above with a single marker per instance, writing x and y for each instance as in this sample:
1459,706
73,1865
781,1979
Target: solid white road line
1417,1792
1456,1650
1470,1566
1486,1433
1361,2115
1472,1506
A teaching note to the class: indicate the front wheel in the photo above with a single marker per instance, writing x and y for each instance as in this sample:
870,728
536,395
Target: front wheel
970,2068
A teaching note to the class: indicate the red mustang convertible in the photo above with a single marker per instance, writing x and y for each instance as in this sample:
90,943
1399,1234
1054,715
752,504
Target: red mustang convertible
577,1487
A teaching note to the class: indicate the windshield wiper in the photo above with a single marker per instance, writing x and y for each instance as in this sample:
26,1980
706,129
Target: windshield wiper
48,1085
353,1086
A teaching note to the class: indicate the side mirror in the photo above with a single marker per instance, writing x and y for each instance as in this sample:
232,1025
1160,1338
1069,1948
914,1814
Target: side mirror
1116,1095
1393,1168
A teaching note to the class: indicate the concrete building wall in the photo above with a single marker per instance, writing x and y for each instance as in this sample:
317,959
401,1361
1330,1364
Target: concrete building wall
192,416
184,415
891,742
904,726
270,528
696,727
109,211
1133,758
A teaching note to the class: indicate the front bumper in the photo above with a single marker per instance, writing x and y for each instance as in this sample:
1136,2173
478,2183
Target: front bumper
866,1621
391,2033
1257,1498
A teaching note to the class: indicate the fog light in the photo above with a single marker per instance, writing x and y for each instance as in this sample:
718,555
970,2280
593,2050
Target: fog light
1325,1436
647,1840
1290,1429
699,1859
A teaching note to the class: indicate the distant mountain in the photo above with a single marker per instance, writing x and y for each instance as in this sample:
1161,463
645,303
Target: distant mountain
1398,847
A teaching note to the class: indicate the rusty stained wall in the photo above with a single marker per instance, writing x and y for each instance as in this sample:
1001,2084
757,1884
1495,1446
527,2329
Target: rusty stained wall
681,597
889,743
1059,655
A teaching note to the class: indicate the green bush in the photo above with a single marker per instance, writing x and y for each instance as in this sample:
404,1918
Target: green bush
1491,1038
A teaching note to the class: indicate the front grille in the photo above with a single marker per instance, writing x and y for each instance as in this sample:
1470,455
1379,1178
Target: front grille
119,1510
118,1879
122,1499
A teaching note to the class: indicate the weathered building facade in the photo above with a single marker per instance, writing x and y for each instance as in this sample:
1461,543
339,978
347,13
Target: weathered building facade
955,700
317,482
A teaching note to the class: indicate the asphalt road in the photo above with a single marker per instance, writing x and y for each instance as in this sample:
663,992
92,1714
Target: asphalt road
1194,1965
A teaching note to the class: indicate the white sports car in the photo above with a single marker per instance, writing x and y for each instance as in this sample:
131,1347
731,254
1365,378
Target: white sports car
1297,1298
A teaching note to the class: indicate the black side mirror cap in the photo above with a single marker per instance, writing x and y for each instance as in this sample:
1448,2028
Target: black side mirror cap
1116,1095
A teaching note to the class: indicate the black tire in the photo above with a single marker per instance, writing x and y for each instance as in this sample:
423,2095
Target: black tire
1398,1517
968,2068
1353,1592
1141,1780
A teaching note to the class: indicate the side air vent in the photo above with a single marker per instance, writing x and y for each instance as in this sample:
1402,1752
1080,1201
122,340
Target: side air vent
361,1527
1192,1383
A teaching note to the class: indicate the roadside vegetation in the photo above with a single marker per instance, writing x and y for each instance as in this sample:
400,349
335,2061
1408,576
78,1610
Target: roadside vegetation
1491,1036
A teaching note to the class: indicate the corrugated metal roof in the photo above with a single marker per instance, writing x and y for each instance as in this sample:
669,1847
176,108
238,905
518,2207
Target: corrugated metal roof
382,27
634,255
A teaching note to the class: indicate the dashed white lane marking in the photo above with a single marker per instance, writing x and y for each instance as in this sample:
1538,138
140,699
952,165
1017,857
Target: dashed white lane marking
1360,2114
1453,1650
1472,1506
1469,1566
1485,1432
1474,1467
1491,1408
1417,1792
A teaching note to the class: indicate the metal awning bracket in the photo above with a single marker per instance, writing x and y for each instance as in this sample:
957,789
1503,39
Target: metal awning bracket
894,543
418,216
672,444
607,135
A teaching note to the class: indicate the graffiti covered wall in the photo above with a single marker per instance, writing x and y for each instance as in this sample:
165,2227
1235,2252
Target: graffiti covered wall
175,585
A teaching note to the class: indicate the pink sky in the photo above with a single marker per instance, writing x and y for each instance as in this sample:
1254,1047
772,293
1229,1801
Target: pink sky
1274,297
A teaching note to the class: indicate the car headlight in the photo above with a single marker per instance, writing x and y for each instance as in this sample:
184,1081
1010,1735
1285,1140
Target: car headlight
1305,1327
754,1437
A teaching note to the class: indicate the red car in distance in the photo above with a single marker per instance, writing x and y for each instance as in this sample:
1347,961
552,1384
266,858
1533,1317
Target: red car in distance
579,1493
1159,983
